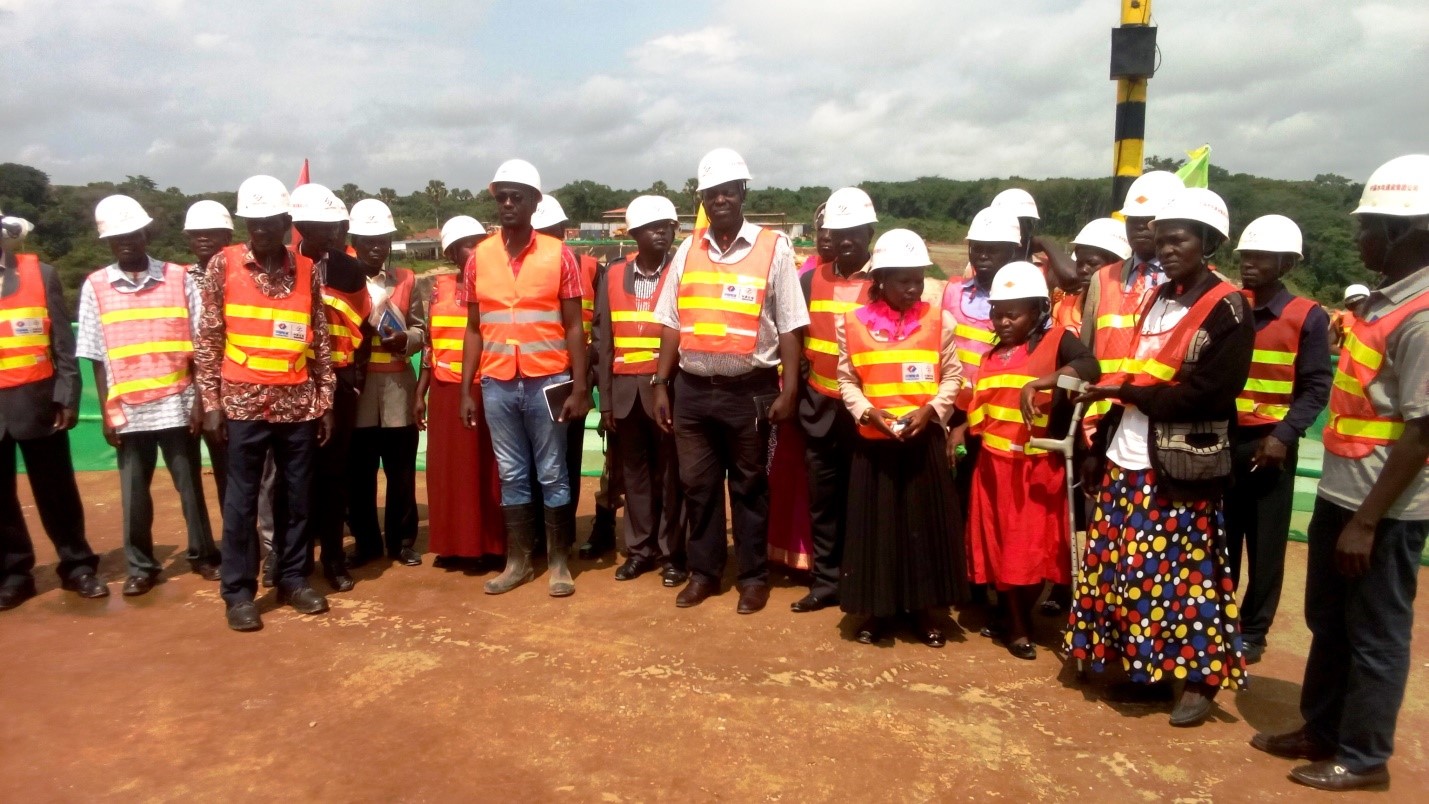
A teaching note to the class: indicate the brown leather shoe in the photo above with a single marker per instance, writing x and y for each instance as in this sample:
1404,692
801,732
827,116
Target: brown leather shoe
752,597
695,592
137,585
1298,744
206,570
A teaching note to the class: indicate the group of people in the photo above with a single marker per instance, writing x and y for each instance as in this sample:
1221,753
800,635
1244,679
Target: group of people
923,433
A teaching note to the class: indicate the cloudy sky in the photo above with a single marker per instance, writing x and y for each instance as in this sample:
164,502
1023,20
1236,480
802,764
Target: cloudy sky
817,92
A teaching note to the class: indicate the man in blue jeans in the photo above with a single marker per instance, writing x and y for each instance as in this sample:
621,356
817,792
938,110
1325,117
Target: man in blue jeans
523,290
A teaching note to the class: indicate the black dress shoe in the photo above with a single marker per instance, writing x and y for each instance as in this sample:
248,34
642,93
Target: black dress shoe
812,602
1023,650
1194,706
447,562
990,631
752,597
1254,652
932,636
338,577
1298,744
870,632
244,616
408,557
695,592
672,576
12,596
206,570
136,585
1330,775
602,536
270,570
304,600
87,585
633,568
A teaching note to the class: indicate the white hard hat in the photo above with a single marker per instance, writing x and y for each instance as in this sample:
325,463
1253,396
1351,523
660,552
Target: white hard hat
1107,234
1197,204
900,248
318,204
15,229
1018,201
119,215
995,226
370,218
719,166
1356,292
1018,280
460,228
548,213
262,197
207,214
1274,233
1149,193
848,207
1399,187
647,209
516,171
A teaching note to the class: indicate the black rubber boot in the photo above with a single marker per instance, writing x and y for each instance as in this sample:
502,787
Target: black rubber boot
520,536
560,538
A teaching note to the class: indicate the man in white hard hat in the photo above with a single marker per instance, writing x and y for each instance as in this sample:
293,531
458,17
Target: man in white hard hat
39,405
1289,385
731,311
831,290
208,227
1372,511
263,362
1342,321
137,321
524,333
386,435
626,341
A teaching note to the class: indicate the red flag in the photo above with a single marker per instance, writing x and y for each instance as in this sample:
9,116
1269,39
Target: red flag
302,179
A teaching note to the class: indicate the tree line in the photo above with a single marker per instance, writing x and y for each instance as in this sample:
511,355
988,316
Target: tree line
937,208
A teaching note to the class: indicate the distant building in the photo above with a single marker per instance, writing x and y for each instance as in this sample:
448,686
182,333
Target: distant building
424,245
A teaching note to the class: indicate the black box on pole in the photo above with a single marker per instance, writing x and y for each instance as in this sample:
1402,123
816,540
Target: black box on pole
1133,51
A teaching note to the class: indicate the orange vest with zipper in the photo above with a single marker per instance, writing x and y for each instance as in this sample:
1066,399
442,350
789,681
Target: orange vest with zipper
520,315
148,340
996,411
1355,427
634,332
266,340
719,304
1267,394
830,298
25,328
899,377
448,329
385,360
345,313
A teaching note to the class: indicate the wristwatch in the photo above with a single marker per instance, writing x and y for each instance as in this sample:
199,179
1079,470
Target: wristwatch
865,417
656,379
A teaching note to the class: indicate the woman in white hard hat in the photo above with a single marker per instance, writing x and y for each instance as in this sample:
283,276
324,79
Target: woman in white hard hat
899,376
1155,590
1017,533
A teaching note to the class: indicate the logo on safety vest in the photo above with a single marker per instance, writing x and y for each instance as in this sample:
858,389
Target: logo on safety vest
918,372
290,331
28,326
741,293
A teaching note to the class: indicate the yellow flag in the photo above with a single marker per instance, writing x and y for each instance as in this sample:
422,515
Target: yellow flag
702,221
1197,170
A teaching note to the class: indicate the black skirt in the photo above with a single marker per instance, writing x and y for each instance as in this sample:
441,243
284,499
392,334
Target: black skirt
904,550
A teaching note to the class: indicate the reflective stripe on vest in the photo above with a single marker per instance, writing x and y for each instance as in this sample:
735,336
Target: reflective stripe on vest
972,337
266,340
996,410
1115,326
25,328
589,266
345,313
719,304
1156,357
831,297
148,340
1267,394
385,360
1356,427
634,332
901,379
448,329
520,314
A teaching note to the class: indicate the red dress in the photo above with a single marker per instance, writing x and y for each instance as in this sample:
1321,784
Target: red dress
463,489
791,540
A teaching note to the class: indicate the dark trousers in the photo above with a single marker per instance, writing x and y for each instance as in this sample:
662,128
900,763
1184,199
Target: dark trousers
395,450
828,458
1258,525
329,501
653,499
51,474
1359,656
218,462
138,455
717,437
295,447
575,447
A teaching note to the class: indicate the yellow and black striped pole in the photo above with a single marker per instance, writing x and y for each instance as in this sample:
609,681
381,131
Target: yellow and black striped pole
1130,111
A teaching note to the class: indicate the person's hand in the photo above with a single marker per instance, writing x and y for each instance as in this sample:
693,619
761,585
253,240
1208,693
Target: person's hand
917,421
419,412
1096,393
196,417
607,421
956,437
396,342
577,405
1028,399
1353,548
213,425
325,427
663,414
882,421
65,418
1091,471
1270,453
470,408
111,436
783,408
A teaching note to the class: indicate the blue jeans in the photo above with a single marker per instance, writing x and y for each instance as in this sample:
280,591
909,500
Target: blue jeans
524,438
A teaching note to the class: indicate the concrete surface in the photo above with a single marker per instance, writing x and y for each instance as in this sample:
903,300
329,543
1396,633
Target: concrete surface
417,687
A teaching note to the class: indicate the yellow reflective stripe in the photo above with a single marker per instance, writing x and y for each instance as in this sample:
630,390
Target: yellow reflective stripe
1272,358
886,389
338,331
709,328
1276,412
341,306
454,366
383,357
886,356
633,316
265,342
587,304
1115,321
143,314
1098,408
1109,364
997,442
705,303
833,306
16,313
1269,386
448,344
823,382
258,363
453,321
1159,370
1362,354
635,357
1003,381
1348,384
21,361
969,357
637,343
264,313
17,341
1003,414
717,278
821,346
152,383
1367,428
974,334
152,347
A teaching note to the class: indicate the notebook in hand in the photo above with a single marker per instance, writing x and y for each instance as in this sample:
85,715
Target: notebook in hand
556,396
762,404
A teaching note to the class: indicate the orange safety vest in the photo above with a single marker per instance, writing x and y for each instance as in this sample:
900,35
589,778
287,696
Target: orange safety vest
634,332
830,298
148,340
266,340
25,328
1266,398
448,329
996,410
973,338
384,360
589,266
520,315
897,377
719,304
1156,358
1115,328
345,313
1067,312
1355,427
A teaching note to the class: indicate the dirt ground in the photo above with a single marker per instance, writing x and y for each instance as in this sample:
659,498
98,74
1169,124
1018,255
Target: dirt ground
417,687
